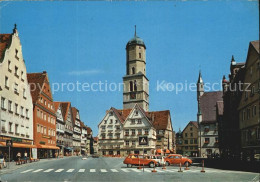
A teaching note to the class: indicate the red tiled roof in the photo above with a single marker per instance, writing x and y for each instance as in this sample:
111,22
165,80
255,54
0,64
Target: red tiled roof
65,109
56,105
36,81
208,105
195,123
160,119
95,139
5,40
89,130
74,114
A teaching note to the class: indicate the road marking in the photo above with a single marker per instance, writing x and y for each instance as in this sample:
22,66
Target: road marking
148,170
27,171
38,170
92,170
59,170
103,170
81,170
48,170
137,170
114,170
125,170
70,170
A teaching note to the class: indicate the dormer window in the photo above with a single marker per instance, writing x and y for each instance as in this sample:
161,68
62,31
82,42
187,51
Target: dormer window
16,54
110,113
136,113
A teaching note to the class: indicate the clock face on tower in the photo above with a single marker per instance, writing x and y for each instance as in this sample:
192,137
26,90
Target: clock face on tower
132,95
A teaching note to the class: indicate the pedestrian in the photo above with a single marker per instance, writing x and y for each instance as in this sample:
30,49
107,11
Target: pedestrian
1,160
25,156
18,156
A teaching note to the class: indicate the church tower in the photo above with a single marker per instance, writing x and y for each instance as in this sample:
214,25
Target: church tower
136,84
200,92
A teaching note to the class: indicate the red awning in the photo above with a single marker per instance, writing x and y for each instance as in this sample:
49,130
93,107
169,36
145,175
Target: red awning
167,151
159,151
18,145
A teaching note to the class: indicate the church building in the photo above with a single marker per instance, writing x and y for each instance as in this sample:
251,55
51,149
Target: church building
120,129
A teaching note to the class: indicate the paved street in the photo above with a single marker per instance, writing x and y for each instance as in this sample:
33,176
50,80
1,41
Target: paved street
112,169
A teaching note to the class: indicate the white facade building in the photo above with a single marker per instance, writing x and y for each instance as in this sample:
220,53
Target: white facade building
16,112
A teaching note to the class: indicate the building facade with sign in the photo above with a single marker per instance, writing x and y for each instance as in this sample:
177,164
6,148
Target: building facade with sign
44,115
16,112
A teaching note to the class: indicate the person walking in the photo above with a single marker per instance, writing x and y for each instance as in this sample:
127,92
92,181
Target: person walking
18,156
25,156
1,160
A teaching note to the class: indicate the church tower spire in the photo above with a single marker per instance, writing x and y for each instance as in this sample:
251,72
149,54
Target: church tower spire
200,92
136,84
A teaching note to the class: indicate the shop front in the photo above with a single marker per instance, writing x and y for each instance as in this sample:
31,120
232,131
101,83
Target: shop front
19,145
47,151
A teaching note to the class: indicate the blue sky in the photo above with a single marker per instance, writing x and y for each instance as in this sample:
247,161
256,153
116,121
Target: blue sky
85,42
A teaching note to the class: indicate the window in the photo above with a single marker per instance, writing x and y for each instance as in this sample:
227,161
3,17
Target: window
186,134
133,70
16,129
16,71
111,121
139,131
49,118
45,102
110,113
135,85
139,121
133,131
22,76
45,130
16,108
258,133
44,117
24,93
252,90
191,128
191,141
216,139
3,103
6,82
126,132
116,121
146,131
191,134
133,143
16,88
127,143
21,111
185,141
10,127
38,128
10,106
248,113
246,94
140,55
195,141
254,111
9,66
131,86
132,121
206,140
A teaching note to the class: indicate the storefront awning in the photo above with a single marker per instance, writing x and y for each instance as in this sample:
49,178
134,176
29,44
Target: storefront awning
167,151
18,145
47,147
159,151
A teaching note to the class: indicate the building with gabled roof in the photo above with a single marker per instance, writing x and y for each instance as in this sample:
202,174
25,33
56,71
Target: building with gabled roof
44,115
16,111
68,134
76,131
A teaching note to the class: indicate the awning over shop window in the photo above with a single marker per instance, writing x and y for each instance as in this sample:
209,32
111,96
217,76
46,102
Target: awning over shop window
48,147
167,151
159,151
18,145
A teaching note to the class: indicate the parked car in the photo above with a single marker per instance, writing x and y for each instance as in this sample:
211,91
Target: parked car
157,158
136,159
177,159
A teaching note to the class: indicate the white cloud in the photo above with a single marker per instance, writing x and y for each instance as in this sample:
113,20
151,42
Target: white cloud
85,72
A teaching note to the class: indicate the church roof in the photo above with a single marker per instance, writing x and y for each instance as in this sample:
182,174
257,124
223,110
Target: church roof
208,106
135,41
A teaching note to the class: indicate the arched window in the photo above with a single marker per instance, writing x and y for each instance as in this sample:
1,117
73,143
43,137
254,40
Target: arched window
135,86
131,86
133,70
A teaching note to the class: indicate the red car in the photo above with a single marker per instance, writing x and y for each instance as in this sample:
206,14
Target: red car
136,160
177,159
